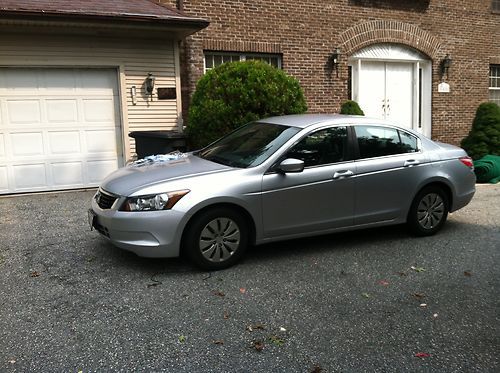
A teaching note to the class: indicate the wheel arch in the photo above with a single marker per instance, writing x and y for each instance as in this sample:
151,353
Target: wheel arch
447,189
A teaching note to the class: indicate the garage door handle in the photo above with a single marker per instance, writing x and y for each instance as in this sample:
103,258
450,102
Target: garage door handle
343,173
411,162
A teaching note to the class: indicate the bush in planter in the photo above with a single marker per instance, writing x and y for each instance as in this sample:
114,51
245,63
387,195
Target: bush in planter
236,93
484,136
351,108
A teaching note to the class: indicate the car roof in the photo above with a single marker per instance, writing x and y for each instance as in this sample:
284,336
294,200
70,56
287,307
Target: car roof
306,120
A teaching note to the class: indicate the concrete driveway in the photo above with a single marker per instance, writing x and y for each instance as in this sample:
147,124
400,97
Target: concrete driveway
376,300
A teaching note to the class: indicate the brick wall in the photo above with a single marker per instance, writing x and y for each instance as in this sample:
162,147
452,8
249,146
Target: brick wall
306,33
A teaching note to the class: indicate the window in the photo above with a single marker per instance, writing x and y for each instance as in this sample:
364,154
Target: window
495,84
495,5
321,147
214,59
376,141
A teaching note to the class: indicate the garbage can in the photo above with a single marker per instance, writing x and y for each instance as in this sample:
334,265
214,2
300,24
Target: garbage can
157,142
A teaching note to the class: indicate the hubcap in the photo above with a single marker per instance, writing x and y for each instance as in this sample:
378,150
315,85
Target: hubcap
430,210
219,239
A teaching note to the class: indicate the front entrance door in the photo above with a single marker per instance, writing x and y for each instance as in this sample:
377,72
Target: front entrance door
386,91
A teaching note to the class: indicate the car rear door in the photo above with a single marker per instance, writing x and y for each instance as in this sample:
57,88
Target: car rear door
321,197
389,168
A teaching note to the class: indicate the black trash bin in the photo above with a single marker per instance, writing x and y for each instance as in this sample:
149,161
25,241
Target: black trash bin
157,142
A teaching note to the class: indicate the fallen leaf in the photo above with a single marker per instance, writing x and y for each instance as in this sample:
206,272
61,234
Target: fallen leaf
467,273
182,338
435,315
34,274
418,269
383,282
219,293
366,295
423,305
257,326
422,354
12,361
218,342
282,329
316,369
243,290
226,315
277,341
258,345
419,295
402,273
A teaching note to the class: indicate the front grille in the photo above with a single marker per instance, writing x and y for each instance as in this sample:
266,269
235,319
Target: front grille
104,199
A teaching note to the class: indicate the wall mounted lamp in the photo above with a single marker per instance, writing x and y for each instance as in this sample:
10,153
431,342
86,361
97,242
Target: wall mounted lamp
336,60
445,66
150,85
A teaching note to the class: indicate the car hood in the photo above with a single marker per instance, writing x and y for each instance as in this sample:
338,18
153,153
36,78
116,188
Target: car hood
131,178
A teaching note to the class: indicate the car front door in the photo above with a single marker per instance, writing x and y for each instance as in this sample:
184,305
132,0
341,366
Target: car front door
388,171
319,198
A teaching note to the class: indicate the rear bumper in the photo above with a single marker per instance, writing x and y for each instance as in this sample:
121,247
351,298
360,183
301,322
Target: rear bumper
152,234
462,200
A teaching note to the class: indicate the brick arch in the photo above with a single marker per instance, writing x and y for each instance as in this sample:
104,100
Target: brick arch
385,31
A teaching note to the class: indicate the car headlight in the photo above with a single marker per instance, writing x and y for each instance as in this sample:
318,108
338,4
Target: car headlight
153,202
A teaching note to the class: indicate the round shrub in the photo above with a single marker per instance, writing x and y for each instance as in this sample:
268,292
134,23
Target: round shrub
351,108
236,93
484,136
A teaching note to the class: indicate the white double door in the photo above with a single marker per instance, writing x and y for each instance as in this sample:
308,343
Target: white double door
386,91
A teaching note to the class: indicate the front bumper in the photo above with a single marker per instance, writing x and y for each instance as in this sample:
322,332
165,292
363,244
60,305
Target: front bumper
152,234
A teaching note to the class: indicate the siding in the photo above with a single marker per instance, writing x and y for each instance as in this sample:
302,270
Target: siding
133,59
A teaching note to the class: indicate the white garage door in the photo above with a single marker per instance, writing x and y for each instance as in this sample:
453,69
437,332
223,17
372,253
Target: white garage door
59,128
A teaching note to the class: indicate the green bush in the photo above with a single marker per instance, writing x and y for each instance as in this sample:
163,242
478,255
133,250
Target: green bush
484,136
236,93
351,108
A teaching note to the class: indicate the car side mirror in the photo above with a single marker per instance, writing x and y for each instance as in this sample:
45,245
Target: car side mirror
291,165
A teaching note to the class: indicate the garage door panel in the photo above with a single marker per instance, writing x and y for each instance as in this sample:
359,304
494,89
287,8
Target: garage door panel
24,111
99,80
29,176
27,144
67,174
62,111
4,179
98,110
59,80
98,170
65,142
101,141
2,145
22,79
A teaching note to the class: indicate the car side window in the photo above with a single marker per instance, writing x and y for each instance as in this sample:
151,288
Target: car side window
375,141
321,147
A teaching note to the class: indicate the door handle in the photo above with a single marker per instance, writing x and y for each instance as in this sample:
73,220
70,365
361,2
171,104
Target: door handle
411,162
342,174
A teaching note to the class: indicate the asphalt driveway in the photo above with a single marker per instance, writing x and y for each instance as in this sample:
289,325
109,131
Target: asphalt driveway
376,300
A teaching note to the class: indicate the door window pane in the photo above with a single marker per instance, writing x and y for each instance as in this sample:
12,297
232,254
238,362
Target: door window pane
376,141
409,143
322,147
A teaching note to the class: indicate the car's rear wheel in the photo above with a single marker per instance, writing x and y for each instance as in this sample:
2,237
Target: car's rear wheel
428,211
216,238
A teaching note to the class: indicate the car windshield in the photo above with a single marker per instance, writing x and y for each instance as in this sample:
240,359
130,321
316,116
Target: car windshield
248,146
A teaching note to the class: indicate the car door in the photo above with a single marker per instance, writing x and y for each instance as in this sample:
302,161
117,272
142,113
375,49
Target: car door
389,168
321,197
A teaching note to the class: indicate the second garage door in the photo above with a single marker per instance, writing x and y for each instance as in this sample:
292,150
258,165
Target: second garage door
59,128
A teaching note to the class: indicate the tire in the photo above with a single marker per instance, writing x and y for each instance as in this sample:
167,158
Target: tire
428,211
216,239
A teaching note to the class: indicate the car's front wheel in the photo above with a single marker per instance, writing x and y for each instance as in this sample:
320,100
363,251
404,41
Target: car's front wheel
216,238
428,211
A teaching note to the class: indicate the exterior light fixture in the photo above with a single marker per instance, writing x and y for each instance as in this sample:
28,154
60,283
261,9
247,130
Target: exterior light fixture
150,85
335,60
445,66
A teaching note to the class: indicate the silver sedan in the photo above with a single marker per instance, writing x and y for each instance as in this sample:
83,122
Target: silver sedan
282,178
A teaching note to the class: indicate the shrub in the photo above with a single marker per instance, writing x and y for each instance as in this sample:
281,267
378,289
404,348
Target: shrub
351,108
484,136
236,93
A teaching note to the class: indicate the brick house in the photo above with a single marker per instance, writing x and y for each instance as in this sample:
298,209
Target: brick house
393,55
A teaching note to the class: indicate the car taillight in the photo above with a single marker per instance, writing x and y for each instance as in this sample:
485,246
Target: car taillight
467,161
